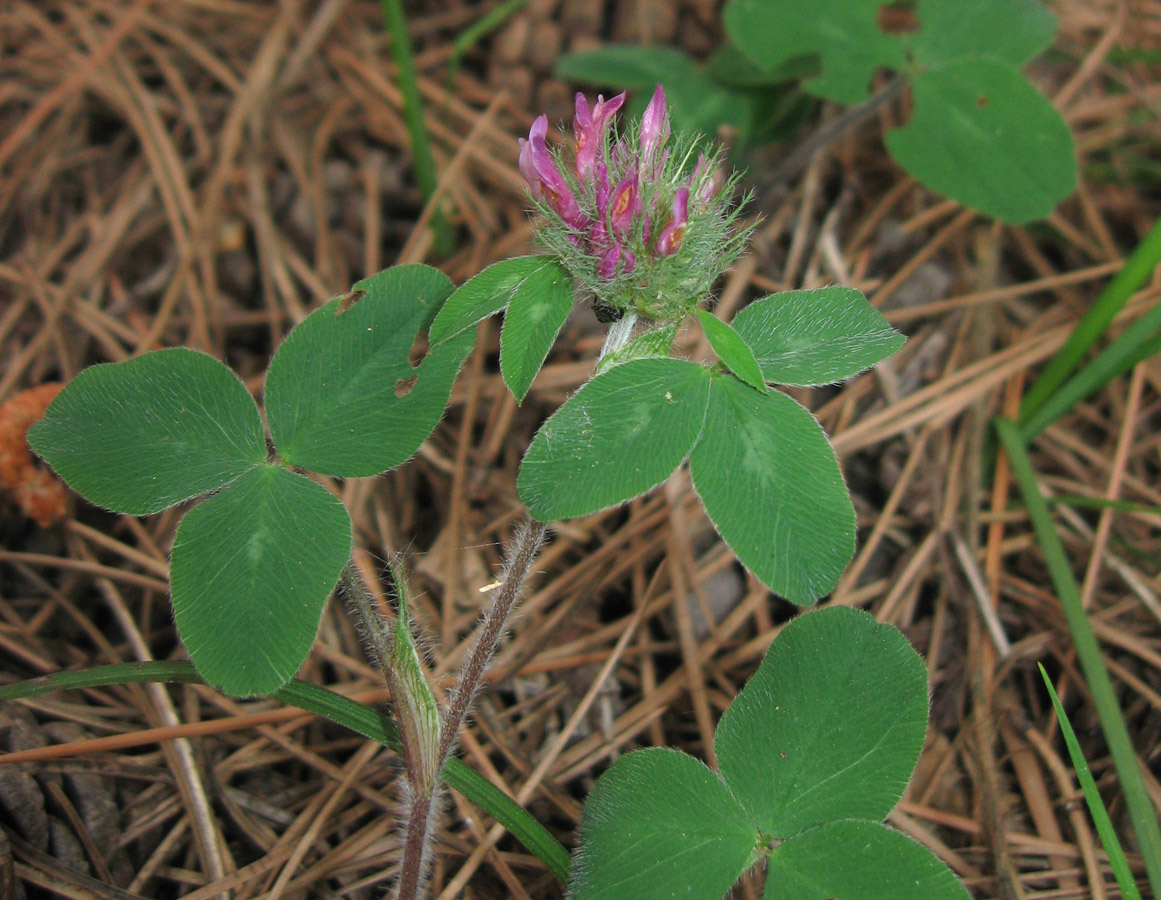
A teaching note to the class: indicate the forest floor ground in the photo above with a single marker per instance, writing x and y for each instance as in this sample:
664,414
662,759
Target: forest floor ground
206,173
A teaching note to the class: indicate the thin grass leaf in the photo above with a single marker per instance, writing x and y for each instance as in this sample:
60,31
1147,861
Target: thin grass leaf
1141,811
1137,342
363,720
1092,797
422,160
1137,268
476,32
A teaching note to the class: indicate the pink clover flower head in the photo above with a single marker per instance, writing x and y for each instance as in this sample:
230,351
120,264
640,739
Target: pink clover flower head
630,215
589,127
669,241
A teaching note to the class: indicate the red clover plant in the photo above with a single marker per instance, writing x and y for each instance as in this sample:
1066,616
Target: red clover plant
817,748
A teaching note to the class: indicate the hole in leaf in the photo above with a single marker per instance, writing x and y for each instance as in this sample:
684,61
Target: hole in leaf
418,351
982,101
349,299
897,18
404,385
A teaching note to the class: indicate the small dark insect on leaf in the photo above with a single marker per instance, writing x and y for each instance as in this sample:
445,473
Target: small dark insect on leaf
605,312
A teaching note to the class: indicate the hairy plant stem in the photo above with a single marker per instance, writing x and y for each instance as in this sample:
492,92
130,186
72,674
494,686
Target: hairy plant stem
423,790
417,848
520,556
377,635
620,333
375,631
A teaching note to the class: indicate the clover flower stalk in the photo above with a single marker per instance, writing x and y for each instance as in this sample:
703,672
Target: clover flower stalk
641,219
643,222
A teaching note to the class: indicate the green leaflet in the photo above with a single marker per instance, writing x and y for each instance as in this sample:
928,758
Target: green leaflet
537,293
844,33
980,132
858,860
660,824
620,435
494,288
984,136
843,732
811,762
342,397
816,337
770,483
731,350
141,435
250,571
534,318
1008,31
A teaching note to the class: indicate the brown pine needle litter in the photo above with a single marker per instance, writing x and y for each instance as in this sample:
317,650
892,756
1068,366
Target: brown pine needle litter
206,172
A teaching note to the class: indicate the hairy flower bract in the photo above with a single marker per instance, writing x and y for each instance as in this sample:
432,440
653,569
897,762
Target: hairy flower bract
642,219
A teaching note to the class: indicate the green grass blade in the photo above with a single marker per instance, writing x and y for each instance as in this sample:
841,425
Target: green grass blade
1148,349
101,676
475,32
1137,268
510,814
1092,797
1141,811
421,159
363,720
378,727
1137,342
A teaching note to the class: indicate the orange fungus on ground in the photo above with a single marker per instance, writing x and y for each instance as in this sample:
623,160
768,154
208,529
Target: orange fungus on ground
35,490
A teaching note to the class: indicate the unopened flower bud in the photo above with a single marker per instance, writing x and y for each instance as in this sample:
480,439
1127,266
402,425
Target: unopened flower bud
703,183
607,267
623,205
544,178
654,128
589,128
669,241
525,161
